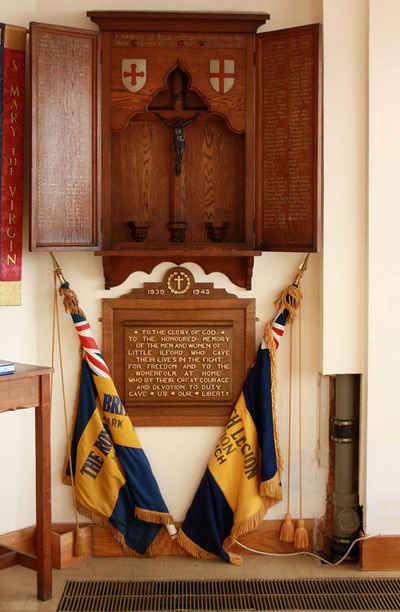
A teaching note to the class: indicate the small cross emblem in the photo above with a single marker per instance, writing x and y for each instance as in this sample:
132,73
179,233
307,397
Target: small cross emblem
133,74
178,282
222,75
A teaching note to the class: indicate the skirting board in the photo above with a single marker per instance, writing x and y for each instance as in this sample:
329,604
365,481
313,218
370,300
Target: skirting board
381,554
265,539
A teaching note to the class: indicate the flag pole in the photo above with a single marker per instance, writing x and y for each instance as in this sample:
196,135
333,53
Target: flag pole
301,539
288,531
287,528
79,545
57,269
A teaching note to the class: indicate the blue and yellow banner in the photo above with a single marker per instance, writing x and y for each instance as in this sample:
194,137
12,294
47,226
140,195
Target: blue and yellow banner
243,477
111,475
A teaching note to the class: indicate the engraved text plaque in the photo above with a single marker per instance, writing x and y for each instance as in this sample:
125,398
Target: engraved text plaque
178,351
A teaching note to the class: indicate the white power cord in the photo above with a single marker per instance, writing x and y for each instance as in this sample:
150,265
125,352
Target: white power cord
310,554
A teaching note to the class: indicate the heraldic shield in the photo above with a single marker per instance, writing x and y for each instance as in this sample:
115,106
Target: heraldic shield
222,75
133,74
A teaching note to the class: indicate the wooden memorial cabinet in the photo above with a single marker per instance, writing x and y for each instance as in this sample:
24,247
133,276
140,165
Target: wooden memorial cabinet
175,137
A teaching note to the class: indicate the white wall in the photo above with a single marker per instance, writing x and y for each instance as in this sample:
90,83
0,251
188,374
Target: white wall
345,185
361,268
383,423
178,455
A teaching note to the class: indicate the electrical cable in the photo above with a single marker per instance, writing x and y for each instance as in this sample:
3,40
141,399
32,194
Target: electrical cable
305,552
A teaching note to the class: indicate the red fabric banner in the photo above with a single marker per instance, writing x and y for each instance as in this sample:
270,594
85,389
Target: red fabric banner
12,98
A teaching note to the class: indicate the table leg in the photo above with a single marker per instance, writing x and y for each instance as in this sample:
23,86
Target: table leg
43,491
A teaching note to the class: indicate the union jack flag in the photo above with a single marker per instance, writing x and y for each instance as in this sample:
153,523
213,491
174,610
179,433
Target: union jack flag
91,352
278,326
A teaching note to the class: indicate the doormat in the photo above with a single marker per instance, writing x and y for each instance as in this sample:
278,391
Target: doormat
231,595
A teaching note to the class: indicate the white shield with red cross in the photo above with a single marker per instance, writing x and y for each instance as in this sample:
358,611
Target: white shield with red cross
222,74
133,74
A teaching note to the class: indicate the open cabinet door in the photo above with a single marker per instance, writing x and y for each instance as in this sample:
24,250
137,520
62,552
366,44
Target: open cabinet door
65,145
288,128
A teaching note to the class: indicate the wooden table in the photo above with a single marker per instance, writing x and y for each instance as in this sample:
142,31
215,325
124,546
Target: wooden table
30,387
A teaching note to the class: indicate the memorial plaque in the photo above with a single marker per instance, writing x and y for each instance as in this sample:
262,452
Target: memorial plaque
179,351
178,363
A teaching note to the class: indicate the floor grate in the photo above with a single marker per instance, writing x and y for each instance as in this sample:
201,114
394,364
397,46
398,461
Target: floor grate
231,595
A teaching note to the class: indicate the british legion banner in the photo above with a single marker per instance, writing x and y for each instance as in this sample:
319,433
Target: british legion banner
12,97
113,480
243,477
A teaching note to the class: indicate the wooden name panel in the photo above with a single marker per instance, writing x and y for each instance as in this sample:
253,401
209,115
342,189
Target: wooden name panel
289,152
179,351
65,78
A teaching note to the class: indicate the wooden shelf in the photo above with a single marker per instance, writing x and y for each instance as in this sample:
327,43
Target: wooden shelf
236,263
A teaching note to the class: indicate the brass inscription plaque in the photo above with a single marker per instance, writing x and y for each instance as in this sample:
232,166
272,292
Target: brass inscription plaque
177,364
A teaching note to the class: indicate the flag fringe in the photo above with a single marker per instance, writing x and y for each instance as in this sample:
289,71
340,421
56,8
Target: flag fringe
270,342
235,559
272,488
104,523
238,530
252,522
152,516
192,548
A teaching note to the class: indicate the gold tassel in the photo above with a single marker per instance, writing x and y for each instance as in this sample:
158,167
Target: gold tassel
301,535
287,529
79,544
70,301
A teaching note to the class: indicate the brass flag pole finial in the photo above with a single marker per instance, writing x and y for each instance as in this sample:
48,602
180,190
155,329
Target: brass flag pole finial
57,269
302,269
304,263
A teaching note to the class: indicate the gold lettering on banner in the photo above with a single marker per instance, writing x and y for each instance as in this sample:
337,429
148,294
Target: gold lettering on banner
13,166
173,363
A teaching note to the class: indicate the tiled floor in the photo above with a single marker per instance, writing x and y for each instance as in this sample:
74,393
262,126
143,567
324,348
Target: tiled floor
18,584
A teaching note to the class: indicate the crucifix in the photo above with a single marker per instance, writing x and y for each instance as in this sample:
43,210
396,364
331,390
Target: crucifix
178,143
182,107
